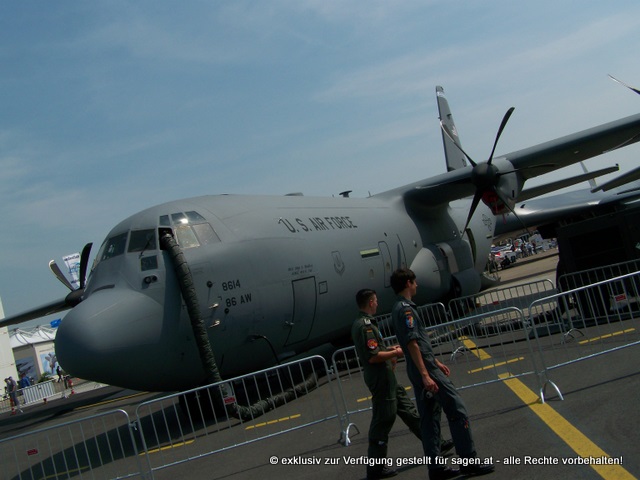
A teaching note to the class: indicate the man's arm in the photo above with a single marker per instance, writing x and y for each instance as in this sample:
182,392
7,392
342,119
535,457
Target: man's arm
443,368
414,351
384,355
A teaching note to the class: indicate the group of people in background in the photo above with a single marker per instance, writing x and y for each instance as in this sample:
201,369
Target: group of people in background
434,391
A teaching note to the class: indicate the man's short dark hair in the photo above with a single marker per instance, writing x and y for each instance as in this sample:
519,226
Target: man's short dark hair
363,296
399,279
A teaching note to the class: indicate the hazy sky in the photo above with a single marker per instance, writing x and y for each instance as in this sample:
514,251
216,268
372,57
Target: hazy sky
107,108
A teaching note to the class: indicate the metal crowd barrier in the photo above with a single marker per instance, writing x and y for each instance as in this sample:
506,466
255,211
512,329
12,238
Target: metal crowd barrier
101,447
29,395
588,321
235,412
570,281
518,296
37,392
484,348
47,391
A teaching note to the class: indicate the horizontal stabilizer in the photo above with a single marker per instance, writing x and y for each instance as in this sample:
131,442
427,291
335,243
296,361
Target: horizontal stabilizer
567,182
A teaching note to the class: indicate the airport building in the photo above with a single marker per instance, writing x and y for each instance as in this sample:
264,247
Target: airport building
30,351
34,352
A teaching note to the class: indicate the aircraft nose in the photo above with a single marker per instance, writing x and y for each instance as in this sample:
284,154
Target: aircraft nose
112,337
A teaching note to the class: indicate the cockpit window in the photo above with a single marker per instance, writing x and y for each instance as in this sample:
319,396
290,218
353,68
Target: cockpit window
191,229
205,233
114,246
142,240
179,218
195,217
186,237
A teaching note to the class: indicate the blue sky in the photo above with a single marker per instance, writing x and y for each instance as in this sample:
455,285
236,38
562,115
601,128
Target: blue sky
107,108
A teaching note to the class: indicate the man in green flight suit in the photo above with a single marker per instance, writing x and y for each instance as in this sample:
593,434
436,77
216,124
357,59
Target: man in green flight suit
388,397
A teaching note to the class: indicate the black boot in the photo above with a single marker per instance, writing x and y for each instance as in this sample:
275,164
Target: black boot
380,471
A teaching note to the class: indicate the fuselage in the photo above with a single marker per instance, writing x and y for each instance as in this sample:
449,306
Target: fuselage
274,276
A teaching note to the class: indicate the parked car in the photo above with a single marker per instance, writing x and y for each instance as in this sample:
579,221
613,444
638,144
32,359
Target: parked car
503,255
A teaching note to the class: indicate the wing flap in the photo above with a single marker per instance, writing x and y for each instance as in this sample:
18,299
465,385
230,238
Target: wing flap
567,182
619,181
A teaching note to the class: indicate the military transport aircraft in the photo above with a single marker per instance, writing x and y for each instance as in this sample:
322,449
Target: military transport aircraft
261,279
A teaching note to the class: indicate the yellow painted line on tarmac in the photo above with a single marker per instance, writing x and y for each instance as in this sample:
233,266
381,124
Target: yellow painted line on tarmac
478,352
272,422
609,335
168,447
500,364
73,471
363,399
573,437
111,401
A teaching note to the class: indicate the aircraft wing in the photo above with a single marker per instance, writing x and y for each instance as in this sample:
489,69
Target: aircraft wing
46,309
527,163
574,148
564,206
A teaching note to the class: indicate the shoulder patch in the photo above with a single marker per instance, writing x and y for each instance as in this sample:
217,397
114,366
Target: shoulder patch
372,344
408,318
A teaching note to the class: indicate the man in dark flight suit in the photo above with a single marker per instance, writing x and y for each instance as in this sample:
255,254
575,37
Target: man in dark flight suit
388,397
434,390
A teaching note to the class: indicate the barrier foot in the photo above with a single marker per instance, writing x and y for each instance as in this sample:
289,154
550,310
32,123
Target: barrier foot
458,351
542,390
345,441
570,335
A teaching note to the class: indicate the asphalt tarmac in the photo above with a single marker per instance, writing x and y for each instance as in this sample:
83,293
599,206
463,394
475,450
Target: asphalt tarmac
522,438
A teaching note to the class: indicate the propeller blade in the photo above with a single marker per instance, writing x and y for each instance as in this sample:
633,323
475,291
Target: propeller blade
622,83
55,269
503,124
84,260
445,129
474,204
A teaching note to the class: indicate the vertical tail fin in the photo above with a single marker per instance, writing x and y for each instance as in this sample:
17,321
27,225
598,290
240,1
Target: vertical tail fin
453,156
